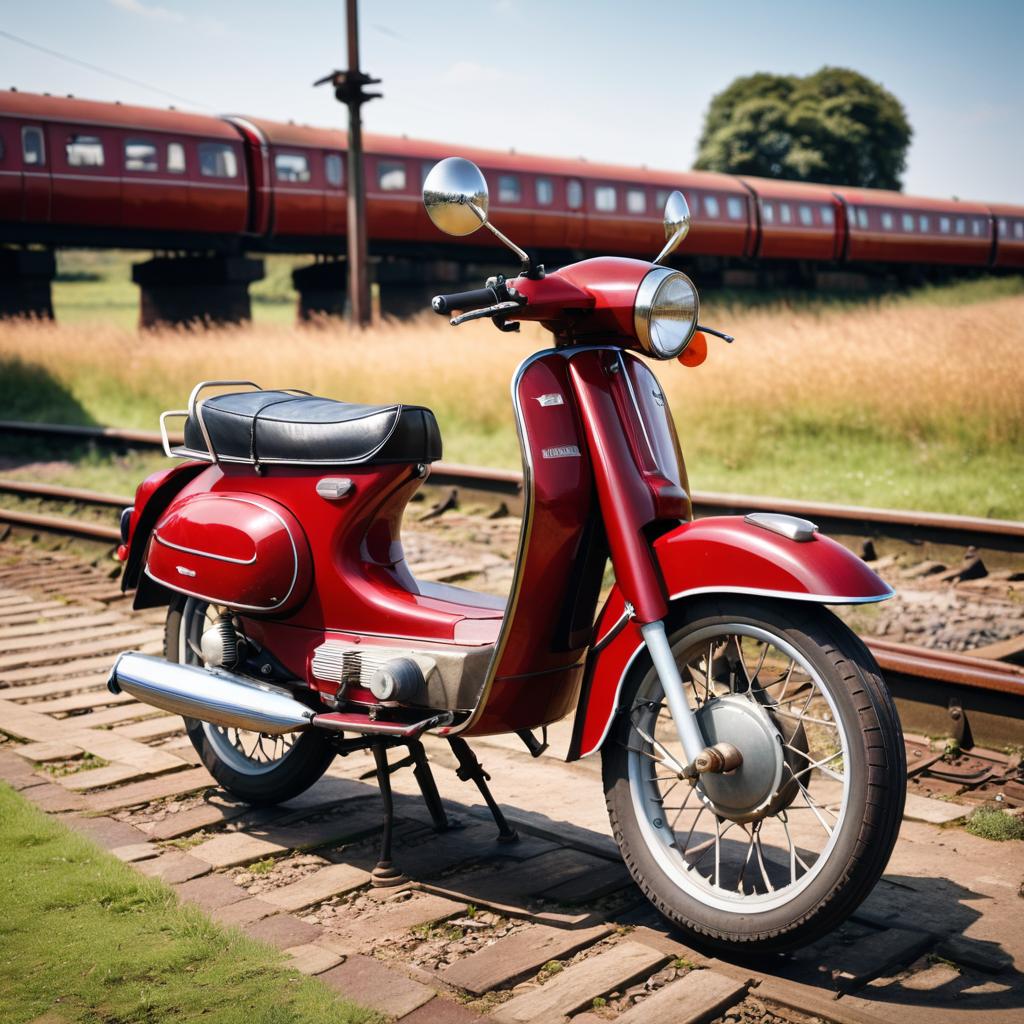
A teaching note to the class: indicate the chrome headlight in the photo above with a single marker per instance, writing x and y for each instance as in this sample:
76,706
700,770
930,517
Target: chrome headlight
665,314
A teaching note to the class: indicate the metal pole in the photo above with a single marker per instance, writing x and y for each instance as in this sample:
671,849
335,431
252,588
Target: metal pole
358,276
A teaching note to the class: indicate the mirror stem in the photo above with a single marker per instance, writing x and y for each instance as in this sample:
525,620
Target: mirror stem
528,264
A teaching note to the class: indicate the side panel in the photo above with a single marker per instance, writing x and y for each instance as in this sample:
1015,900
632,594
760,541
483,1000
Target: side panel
721,554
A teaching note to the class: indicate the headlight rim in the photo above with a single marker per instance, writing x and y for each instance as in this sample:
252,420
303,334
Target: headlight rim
646,299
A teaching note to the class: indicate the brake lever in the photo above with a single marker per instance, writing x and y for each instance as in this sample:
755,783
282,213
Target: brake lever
718,334
479,314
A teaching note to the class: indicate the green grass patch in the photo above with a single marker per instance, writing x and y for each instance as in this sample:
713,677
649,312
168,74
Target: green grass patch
993,823
83,938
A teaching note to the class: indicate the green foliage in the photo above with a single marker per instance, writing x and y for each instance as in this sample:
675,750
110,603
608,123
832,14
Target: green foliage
835,126
86,939
993,823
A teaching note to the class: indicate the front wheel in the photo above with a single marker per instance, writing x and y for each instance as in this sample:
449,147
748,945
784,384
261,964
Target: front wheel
775,853
256,768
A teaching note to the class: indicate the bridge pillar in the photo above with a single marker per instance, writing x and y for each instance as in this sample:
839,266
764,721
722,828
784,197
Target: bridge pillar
407,286
25,277
322,288
195,289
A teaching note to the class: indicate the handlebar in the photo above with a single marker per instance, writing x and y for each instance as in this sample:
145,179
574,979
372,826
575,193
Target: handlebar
475,298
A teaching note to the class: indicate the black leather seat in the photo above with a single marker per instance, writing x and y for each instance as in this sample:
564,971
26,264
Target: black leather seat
277,426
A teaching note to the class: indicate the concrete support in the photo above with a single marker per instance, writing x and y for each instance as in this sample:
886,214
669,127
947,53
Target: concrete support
25,277
322,288
195,289
407,285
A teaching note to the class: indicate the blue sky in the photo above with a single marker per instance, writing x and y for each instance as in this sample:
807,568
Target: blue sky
625,82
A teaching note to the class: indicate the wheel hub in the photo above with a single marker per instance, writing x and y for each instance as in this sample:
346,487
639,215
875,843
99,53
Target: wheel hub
745,793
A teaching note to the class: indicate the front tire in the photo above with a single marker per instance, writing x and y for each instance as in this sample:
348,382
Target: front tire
257,769
774,854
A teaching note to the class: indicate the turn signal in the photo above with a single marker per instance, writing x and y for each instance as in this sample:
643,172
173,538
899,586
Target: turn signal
696,351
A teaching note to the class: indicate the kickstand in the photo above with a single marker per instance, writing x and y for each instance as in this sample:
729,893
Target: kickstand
428,787
471,768
385,874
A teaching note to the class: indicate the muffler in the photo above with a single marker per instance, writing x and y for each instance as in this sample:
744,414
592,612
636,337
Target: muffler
211,695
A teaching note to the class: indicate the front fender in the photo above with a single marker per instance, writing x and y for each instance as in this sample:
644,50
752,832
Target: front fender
717,555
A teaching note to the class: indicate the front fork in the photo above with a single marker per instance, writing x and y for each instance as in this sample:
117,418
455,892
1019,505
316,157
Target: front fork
700,757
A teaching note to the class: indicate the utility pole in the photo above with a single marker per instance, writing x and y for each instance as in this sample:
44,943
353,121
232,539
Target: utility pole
349,88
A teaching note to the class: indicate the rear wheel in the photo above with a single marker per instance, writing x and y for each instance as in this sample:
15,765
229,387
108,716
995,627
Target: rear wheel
778,851
255,767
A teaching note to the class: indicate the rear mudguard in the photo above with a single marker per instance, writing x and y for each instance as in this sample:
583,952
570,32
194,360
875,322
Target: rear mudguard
152,497
718,555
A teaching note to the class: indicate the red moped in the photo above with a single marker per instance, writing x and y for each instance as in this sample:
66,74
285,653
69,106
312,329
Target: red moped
753,763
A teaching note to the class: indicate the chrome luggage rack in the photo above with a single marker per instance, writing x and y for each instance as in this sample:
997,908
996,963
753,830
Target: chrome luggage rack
195,409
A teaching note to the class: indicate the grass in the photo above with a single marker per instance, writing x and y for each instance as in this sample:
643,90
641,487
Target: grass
83,938
994,823
904,401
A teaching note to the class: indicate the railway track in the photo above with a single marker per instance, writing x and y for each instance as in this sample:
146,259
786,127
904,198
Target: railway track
546,928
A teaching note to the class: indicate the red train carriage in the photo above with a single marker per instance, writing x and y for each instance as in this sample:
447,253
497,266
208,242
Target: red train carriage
82,172
1009,235
889,227
797,221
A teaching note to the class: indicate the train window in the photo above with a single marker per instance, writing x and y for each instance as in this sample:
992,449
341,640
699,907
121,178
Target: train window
768,213
908,222
33,151
944,225
862,218
924,223
661,198
1002,227
806,216
217,160
391,176
544,190
887,220
977,227
140,155
84,151
175,158
574,194
509,190
636,200
1018,230
334,169
961,226
292,167
711,206
734,207
606,199
1,149
828,218
785,213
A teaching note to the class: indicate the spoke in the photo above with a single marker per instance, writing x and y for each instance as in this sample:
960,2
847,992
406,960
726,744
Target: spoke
718,852
760,862
820,765
682,807
774,708
785,680
707,675
746,861
743,664
794,857
760,664
666,756
814,808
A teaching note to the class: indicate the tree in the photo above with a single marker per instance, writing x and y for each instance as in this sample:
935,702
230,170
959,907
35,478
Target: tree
835,126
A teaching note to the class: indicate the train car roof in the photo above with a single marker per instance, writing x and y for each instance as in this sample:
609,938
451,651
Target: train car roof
777,188
899,201
1006,209
101,113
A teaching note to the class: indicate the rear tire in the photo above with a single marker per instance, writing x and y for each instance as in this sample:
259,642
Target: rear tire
257,777
856,759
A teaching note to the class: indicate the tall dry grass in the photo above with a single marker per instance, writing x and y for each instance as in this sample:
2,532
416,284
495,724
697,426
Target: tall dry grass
899,370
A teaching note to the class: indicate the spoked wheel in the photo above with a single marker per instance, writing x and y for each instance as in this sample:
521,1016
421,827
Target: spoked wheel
256,767
779,850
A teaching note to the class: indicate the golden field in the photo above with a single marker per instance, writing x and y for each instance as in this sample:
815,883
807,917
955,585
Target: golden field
888,403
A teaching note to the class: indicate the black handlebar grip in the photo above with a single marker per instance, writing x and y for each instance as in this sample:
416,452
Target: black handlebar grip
475,298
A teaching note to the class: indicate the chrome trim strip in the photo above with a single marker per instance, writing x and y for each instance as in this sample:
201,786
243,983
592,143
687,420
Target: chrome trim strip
636,406
203,554
816,598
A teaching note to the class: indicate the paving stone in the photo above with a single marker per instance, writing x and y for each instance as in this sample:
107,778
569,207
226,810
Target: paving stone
931,978
210,892
49,656
697,997
175,784
444,1011
312,959
216,809
15,771
592,884
134,852
106,832
983,956
876,954
101,778
332,880
55,750
54,799
933,812
810,1000
364,933
246,911
516,956
152,728
174,867
578,985
283,931
98,698
370,983
235,848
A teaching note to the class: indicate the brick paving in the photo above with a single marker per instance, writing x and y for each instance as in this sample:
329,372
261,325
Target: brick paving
475,933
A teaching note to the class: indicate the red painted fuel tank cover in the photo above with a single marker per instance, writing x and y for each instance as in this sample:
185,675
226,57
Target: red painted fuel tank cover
241,550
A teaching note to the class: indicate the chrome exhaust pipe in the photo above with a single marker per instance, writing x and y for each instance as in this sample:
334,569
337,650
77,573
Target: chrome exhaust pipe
213,696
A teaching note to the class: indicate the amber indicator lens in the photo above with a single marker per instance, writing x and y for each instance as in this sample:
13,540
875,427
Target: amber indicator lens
696,351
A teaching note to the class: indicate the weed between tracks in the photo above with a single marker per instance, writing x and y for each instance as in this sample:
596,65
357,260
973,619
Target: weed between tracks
892,402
